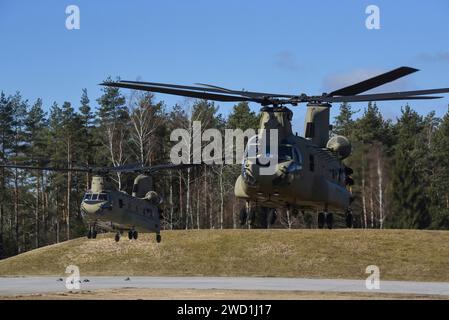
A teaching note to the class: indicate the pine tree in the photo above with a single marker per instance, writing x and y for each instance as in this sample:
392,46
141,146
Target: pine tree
58,158
372,127
410,203
112,106
86,115
6,141
344,123
18,150
243,118
72,127
439,168
86,137
35,124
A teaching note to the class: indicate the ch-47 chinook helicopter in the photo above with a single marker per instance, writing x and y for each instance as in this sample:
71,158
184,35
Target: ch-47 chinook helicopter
310,174
105,208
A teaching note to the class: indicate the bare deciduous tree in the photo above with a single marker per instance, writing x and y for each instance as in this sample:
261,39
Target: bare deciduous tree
145,120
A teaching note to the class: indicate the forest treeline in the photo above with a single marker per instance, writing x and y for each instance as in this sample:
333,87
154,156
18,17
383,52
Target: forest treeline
401,168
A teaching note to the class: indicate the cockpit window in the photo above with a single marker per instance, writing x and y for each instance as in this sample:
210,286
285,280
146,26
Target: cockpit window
286,151
254,148
100,197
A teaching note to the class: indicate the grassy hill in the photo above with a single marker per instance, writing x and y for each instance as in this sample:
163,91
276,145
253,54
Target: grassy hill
400,255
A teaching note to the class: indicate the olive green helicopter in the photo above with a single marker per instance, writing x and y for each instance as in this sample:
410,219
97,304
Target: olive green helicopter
310,173
103,207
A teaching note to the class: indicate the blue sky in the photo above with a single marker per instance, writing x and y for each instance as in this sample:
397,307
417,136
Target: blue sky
274,46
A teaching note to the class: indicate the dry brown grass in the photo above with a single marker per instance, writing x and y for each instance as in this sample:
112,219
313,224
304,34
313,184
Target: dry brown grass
400,254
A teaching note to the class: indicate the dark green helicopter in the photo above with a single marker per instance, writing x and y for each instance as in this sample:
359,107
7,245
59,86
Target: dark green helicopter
106,208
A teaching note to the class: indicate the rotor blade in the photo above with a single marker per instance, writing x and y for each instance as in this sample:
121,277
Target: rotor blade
124,168
177,86
171,166
373,82
13,166
248,93
212,88
149,169
179,92
374,97
419,92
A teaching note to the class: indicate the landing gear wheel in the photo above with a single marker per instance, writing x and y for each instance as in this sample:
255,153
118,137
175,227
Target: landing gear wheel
130,234
321,220
135,235
117,237
349,220
89,234
158,238
94,234
329,220
243,216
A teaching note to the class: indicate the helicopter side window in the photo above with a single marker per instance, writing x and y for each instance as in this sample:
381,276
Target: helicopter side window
103,197
95,197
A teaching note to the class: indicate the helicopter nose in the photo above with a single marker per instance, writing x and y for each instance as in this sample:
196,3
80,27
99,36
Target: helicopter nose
254,175
94,209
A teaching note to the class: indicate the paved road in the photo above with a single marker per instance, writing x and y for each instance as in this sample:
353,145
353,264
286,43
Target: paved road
30,285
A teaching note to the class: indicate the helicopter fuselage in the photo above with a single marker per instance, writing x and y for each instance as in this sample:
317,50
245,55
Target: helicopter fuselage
307,175
121,210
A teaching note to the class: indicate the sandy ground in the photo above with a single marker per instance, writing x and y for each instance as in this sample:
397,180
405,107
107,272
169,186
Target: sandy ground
193,294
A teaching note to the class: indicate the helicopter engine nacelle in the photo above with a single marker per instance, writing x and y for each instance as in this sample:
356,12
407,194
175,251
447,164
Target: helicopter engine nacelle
153,197
340,145
98,184
142,184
